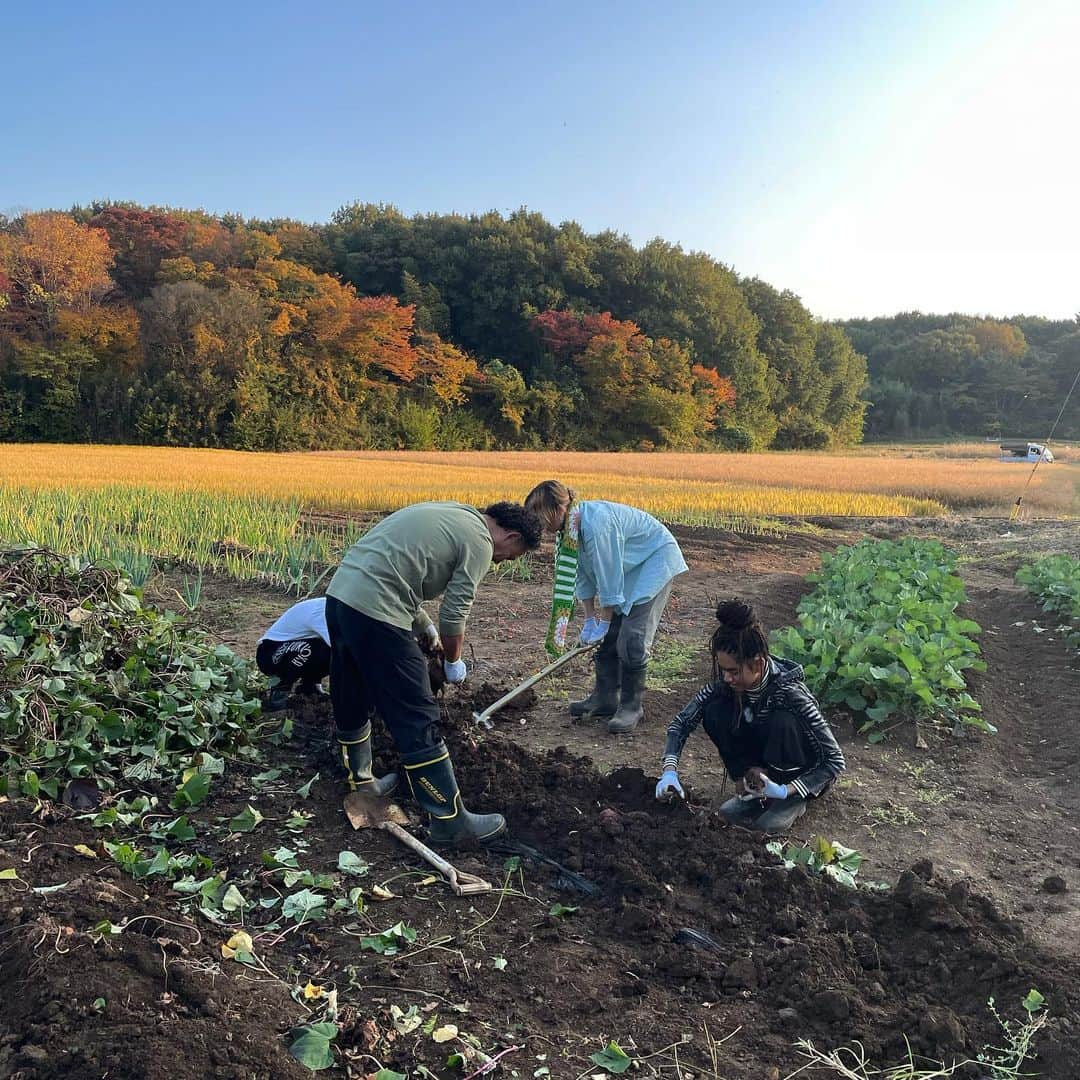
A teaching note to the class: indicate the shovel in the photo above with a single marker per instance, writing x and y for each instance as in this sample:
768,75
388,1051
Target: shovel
484,718
366,811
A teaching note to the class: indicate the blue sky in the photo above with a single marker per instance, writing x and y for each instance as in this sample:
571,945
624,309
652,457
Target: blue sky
872,157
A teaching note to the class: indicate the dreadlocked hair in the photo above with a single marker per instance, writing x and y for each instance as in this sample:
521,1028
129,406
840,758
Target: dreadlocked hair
740,633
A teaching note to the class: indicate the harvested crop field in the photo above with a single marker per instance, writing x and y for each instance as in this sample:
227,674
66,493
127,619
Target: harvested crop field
977,835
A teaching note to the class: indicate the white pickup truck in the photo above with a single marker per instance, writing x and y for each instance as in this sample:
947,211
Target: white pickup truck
1021,450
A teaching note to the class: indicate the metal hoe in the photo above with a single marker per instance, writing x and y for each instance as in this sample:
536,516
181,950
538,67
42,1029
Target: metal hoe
483,718
370,812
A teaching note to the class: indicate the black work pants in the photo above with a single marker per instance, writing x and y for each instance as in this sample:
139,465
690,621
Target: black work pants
376,666
306,659
773,741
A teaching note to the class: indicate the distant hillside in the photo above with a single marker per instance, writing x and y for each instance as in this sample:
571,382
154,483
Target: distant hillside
934,375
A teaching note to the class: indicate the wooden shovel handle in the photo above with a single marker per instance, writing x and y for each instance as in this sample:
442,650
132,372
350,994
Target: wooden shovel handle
462,884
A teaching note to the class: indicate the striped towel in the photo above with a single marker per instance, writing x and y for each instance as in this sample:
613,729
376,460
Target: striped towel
566,563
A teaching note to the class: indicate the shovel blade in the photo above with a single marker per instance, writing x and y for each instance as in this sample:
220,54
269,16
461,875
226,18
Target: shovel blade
367,811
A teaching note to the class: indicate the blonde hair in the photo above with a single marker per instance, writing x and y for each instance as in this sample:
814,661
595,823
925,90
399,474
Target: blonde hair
548,500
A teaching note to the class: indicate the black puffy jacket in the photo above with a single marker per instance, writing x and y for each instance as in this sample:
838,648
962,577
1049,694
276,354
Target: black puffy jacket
783,731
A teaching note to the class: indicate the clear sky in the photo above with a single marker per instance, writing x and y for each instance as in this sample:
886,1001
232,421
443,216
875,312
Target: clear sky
871,156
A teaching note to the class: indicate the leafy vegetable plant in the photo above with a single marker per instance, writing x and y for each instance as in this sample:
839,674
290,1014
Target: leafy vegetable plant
93,683
880,634
389,942
1055,581
821,856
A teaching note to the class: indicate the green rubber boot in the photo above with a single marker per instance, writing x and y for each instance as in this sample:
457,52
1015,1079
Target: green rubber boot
431,777
356,757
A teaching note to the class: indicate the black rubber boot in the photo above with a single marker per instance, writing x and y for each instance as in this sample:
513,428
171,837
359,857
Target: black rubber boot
630,710
356,757
276,700
431,777
604,699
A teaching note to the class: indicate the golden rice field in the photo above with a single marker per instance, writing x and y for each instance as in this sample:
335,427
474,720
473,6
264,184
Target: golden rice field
693,488
146,508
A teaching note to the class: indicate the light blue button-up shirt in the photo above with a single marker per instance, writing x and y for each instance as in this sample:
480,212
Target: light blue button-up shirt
625,556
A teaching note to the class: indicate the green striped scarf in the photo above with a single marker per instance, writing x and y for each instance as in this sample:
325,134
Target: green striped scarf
566,563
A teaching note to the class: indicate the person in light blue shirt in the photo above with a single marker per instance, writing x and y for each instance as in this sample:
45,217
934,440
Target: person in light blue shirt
622,563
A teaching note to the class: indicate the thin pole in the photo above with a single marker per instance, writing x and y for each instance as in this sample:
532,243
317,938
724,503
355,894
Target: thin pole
1031,476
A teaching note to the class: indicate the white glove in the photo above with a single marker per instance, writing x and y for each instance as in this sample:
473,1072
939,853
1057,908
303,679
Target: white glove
593,631
455,670
431,631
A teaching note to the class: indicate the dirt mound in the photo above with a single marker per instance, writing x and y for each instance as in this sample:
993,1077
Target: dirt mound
919,960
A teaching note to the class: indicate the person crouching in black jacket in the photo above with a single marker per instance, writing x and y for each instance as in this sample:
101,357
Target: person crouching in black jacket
772,738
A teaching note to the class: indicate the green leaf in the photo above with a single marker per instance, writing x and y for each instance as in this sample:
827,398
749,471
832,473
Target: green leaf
233,900
1033,1002
304,906
304,791
311,1045
389,1074
560,910
388,943
298,820
282,857
611,1058
10,874
191,792
159,864
180,829
246,820
350,863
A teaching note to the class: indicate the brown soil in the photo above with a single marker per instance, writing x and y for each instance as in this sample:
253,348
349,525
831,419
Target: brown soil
977,834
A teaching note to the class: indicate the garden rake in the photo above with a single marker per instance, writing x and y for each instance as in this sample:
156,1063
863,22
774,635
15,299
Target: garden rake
484,718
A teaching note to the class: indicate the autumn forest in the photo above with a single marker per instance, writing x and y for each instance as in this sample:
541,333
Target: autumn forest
125,324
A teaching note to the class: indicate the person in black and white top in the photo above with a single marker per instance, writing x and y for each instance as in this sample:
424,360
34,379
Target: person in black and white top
770,733
295,648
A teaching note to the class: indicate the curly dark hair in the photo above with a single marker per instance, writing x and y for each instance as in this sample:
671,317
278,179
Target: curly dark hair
513,517
740,633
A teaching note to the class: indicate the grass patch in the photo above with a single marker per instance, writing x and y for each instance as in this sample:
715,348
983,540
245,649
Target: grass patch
671,664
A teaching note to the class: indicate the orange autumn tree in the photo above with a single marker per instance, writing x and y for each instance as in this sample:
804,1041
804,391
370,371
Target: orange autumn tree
638,391
52,263
59,344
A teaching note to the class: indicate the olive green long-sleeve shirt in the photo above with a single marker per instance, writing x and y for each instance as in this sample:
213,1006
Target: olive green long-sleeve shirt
416,554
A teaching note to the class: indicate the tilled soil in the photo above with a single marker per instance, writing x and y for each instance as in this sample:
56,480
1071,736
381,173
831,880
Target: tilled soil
796,958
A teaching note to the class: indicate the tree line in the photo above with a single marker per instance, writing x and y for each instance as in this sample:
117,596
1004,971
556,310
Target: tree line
937,375
120,323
